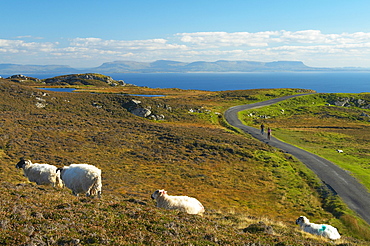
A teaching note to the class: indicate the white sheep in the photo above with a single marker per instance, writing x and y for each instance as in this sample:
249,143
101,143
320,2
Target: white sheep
318,229
42,174
186,204
82,178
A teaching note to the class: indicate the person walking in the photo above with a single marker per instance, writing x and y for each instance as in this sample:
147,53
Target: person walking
262,128
269,133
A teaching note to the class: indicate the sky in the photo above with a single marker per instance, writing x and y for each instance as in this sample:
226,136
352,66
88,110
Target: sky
87,33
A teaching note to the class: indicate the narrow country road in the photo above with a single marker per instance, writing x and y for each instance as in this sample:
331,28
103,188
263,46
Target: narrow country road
354,194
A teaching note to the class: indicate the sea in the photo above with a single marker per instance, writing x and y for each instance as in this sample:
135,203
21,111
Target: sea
322,82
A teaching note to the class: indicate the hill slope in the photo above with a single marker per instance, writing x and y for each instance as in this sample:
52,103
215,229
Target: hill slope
239,180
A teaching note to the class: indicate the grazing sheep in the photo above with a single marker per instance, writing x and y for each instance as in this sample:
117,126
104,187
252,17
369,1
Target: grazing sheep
318,229
82,178
339,151
186,204
42,174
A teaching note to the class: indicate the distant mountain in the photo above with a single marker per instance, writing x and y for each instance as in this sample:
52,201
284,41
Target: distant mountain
167,66
121,67
35,69
200,66
140,67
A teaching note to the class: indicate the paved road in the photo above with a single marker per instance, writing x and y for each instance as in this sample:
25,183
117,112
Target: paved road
340,181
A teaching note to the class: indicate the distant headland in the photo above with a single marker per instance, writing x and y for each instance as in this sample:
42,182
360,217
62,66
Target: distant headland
167,66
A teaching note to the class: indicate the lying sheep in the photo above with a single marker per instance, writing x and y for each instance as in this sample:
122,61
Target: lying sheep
42,174
186,204
82,178
318,229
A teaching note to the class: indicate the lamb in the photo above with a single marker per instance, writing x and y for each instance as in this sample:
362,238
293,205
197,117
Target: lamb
82,178
186,204
42,174
318,229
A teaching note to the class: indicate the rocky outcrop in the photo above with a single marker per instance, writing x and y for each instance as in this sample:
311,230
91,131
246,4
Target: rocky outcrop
85,79
21,77
142,112
135,107
350,102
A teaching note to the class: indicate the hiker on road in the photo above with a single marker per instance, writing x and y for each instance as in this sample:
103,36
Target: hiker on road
269,133
262,128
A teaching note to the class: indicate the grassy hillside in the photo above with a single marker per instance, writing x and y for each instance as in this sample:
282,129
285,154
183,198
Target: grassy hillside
313,123
239,180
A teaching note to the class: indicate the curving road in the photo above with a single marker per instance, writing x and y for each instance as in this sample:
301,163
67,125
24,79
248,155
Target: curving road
354,194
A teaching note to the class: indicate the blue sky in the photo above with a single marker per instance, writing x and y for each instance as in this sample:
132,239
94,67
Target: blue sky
87,33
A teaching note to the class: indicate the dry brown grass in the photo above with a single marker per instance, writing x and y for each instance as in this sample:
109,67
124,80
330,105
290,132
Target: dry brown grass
186,154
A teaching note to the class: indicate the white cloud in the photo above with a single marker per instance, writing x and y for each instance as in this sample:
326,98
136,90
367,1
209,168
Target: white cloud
312,46
219,39
150,44
28,37
20,45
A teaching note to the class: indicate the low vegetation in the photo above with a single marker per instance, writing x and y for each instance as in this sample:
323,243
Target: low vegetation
252,193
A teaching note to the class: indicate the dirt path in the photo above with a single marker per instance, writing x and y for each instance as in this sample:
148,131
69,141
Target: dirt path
354,194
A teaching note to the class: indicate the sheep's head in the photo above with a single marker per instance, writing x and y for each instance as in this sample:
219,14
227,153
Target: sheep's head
60,170
301,220
158,193
22,163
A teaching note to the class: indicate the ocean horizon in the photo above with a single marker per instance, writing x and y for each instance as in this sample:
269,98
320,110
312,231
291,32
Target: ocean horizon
321,82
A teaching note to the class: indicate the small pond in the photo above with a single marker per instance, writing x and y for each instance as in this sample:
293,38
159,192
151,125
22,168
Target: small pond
59,89
73,89
138,95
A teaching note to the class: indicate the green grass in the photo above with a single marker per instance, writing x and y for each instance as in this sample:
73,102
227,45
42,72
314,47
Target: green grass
306,122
